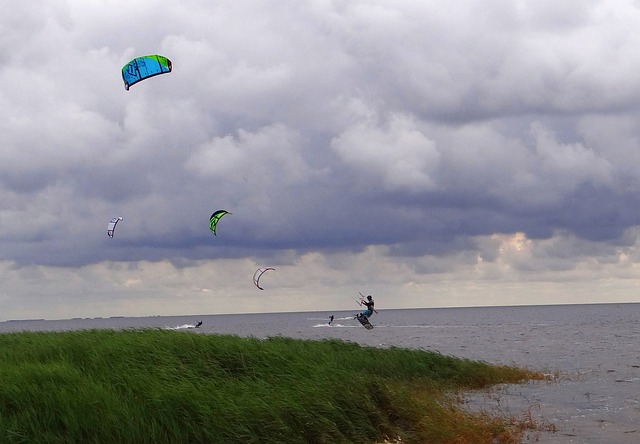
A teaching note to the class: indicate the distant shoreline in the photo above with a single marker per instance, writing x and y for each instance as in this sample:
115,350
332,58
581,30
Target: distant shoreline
478,307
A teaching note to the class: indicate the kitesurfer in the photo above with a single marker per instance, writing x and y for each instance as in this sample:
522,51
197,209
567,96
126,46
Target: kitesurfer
368,302
330,319
198,324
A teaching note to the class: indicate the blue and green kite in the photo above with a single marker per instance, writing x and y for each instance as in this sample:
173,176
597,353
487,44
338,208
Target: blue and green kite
144,67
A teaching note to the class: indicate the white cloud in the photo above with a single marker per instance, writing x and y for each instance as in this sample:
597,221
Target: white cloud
251,154
566,166
397,155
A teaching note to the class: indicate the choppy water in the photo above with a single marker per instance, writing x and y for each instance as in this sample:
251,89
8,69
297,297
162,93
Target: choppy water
594,347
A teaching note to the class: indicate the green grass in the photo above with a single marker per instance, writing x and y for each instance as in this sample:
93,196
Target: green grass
156,386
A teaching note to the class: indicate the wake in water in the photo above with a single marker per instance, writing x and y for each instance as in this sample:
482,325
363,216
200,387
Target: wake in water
180,327
336,325
184,326
334,322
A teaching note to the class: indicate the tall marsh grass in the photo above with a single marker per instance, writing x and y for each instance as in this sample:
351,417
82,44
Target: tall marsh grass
157,386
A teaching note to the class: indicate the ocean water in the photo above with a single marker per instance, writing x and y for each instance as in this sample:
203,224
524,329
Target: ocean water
593,350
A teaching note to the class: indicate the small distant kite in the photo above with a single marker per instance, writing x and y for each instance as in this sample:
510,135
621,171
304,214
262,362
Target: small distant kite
144,67
215,217
111,226
258,274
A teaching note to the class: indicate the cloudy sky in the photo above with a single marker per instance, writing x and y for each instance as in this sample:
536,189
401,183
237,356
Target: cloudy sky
429,153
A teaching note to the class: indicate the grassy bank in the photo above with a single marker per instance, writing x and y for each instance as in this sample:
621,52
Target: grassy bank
155,386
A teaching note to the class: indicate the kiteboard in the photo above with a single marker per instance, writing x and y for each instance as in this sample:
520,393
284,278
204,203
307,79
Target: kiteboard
364,321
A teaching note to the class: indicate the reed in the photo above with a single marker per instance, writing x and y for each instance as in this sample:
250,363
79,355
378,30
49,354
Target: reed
157,386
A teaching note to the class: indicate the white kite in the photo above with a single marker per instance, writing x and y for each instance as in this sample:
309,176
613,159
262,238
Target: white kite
111,226
258,274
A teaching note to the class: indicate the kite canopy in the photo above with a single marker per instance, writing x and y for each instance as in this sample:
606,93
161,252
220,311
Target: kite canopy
258,274
144,67
215,217
111,226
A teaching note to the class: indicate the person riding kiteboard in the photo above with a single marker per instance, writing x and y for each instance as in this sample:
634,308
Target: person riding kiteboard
369,303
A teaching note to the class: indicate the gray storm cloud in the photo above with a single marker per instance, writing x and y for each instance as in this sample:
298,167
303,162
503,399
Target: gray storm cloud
412,130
